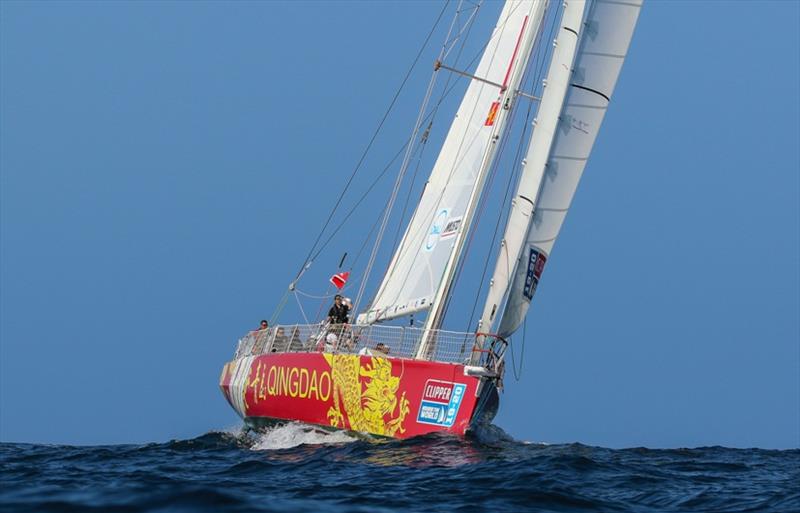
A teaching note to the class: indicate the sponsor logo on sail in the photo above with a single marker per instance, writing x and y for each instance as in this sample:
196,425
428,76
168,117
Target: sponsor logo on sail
536,261
437,228
451,228
440,402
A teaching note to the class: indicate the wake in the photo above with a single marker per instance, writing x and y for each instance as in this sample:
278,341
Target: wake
293,434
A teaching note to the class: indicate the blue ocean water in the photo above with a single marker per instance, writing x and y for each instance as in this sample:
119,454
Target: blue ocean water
297,468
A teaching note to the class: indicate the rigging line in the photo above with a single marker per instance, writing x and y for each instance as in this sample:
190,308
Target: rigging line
302,312
543,57
312,296
518,372
281,304
446,90
536,65
358,203
372,140
366,240
536,78
321,306
482,206
420,234
389,271
395,190
511,180
479,213
468,23
351,282
432,115
486,152
383,212
408,198
554,27
484,198
411,186
398,181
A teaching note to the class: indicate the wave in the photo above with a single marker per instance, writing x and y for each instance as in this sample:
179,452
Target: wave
298,467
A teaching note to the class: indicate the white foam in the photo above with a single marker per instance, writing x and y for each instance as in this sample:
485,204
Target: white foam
294,434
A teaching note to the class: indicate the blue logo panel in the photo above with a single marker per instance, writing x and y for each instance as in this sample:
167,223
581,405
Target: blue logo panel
439,413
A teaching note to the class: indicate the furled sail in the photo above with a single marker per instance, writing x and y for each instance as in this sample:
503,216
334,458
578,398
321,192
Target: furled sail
425,257
604,43
542,137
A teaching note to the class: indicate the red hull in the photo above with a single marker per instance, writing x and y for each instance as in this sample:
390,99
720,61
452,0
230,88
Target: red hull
394,397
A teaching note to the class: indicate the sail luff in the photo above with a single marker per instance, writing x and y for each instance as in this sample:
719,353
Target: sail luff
541,140
602,49
435,231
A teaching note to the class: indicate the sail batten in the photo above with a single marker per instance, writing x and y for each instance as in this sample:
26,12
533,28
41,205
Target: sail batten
422,267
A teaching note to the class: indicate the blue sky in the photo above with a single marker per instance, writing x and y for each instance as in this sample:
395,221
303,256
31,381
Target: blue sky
164,168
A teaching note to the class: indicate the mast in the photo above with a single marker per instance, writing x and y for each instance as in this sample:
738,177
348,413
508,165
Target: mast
546,123
423,264
499,116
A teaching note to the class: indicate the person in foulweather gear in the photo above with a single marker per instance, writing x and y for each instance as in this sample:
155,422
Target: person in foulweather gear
338,312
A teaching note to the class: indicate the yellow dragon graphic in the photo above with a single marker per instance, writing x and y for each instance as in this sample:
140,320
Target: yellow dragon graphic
366,406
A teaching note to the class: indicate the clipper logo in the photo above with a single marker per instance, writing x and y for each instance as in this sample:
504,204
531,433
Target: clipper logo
440,402
536,262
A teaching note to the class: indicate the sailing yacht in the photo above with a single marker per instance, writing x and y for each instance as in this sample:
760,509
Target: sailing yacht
397,380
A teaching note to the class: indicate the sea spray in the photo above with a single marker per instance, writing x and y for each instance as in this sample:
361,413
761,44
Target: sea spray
293,434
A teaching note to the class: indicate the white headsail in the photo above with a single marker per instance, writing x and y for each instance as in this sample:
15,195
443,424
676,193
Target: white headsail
604,43
544,132
424,262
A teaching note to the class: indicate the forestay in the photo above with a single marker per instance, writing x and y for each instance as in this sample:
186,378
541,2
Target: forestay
533,165
605,39
423,262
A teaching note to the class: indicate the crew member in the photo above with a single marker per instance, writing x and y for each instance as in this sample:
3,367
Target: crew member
338,312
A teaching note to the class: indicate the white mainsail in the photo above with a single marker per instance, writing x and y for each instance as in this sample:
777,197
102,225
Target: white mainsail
423,264
544,132
604,43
